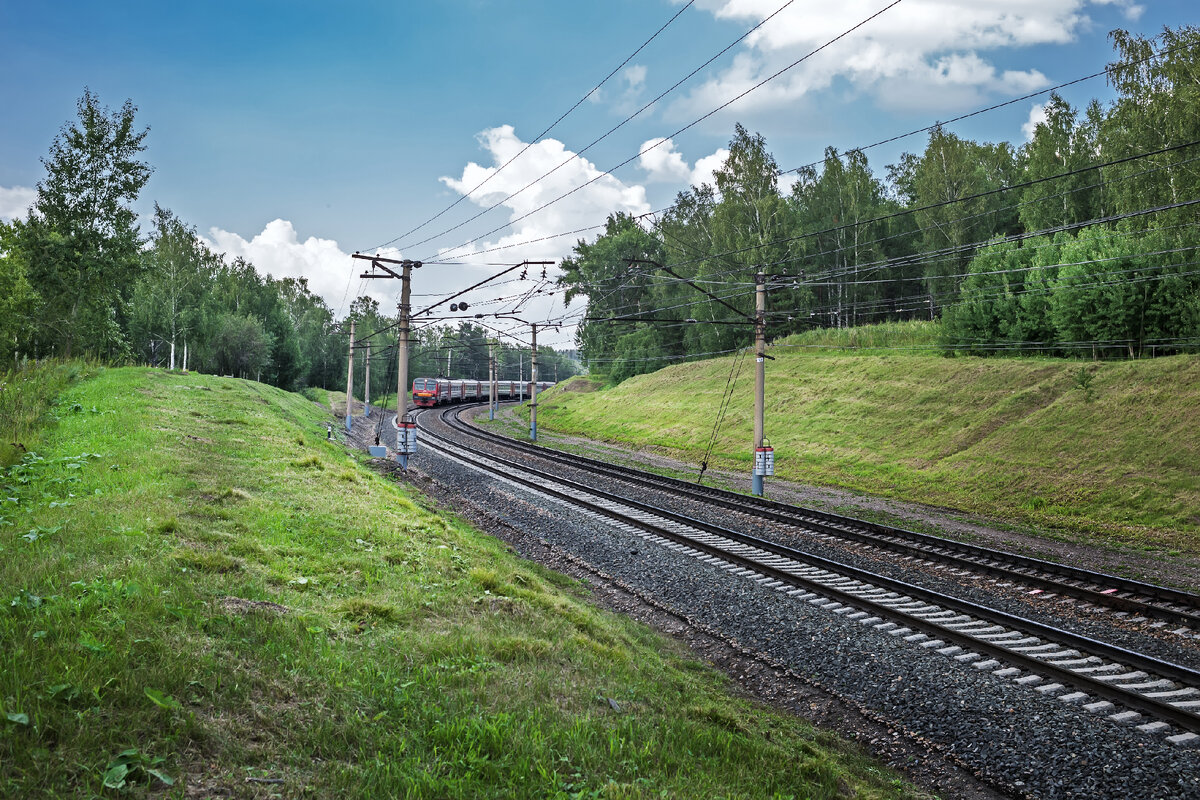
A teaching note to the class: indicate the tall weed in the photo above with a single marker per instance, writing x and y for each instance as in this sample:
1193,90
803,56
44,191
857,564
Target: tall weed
913,336
27,395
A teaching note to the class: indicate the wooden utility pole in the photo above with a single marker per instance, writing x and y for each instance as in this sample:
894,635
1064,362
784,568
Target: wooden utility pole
406,431
350,378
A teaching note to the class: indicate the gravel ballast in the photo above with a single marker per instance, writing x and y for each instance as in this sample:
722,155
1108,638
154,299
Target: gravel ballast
1017,740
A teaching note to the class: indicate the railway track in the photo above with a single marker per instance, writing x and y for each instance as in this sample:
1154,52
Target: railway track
1154,695
1175,611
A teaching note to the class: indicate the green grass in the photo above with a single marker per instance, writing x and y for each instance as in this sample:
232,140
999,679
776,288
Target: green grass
28,397
1021,439
886,337
197,589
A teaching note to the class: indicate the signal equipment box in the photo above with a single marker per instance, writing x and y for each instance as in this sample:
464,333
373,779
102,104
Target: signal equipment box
406,437
764,461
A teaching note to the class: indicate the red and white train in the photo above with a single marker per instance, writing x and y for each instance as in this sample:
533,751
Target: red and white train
440,391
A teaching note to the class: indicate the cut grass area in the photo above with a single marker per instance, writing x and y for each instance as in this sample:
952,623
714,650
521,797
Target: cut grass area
200,591
1018,439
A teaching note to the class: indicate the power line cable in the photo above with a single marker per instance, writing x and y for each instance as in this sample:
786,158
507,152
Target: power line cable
1108,70
551,127
735,370
614,129
687,127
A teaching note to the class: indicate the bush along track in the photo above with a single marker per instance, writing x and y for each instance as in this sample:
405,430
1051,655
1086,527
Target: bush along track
203,596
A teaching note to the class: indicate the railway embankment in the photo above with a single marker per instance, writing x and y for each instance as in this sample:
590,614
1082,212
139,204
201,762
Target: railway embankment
1105,453
204,596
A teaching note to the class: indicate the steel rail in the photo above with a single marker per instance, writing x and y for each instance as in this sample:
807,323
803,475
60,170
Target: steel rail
1163,710
973,557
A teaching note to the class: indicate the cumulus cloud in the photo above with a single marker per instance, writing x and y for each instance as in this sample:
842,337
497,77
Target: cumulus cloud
278,251
635,77
16,201
664,164
924,53
707,166
592,197
536,237
1130,9
1037,116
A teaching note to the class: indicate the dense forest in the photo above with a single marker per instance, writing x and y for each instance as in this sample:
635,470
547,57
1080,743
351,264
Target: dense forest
78,278
1082,241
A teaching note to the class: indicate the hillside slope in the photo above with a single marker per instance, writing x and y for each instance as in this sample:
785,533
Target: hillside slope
1115,453
203,597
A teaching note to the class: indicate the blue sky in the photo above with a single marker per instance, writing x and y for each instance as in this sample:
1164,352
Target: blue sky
294,133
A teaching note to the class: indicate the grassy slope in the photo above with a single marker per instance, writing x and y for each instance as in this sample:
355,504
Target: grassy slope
416,657
1016,438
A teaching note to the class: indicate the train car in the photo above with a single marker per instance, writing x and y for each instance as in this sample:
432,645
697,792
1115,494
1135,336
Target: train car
425,392
428,392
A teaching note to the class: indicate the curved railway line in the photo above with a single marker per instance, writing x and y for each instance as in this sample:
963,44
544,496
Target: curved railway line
1157,696
1135,600
1042,679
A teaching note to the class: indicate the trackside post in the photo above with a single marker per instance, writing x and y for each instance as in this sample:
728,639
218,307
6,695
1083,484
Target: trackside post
533,387
760,384
350,379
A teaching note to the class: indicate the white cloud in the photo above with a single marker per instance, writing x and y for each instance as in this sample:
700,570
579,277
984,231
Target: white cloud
706,166
1037,116
278,252
1131,10
15,202
922,53
635,77
593,196
664,164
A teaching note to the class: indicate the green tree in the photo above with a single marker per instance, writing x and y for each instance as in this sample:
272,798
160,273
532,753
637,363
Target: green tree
943,184
166,299
603,273
988,306
240,346
846,252
81,240
1059,145
1125,293
18,300
1158,105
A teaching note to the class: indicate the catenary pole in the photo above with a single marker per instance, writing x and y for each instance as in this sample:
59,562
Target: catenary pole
350,378
533,376
760,372
405,433
492,380
367,382
402,361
